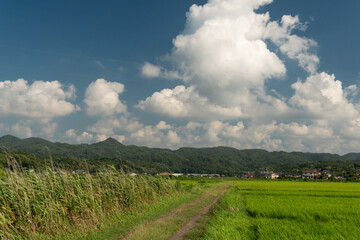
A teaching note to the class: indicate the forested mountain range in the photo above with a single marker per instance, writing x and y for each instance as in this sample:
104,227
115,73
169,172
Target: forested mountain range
36,152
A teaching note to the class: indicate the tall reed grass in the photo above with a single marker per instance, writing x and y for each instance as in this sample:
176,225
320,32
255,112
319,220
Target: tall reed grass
44,204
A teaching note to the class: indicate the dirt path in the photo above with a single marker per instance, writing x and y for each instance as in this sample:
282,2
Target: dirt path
193,221
185,215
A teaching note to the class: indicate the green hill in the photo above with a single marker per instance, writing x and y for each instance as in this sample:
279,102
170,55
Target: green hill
231,159
352,156
187,160
153,160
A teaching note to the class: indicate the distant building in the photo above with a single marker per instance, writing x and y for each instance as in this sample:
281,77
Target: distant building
327,174
290,175
265,174
177,174
274,176
210,175
79,171
194,175
340,177
311,174
249,175
165,174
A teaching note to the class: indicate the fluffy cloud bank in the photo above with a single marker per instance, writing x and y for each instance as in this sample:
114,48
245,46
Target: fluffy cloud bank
134,132
182,102
319,136
323,97
37,100
226,63
37,105
224,60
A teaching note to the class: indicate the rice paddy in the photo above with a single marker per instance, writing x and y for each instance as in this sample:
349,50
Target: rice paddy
287,210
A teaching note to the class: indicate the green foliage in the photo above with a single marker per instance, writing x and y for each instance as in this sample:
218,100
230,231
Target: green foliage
221,160
103,153
48,203
2,173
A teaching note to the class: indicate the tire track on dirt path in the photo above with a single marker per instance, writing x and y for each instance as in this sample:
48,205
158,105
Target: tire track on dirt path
169,224
193,221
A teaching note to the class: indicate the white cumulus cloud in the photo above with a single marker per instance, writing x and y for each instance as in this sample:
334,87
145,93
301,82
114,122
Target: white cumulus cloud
22,129
226,64
182,102
150,70
40,99
323,96
102,98
72,136
223,58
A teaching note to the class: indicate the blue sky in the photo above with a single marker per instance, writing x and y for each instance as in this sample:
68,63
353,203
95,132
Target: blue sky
278,75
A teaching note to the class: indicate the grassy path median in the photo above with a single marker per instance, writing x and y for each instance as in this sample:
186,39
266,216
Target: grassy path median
169,224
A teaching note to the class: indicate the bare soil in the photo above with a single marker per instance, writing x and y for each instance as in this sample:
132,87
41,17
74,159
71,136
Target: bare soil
162,227
193,221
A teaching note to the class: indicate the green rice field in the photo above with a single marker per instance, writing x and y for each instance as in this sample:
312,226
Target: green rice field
287,210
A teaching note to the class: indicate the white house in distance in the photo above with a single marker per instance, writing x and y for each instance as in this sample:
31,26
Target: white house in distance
274,175
177,174
269,174
311,174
